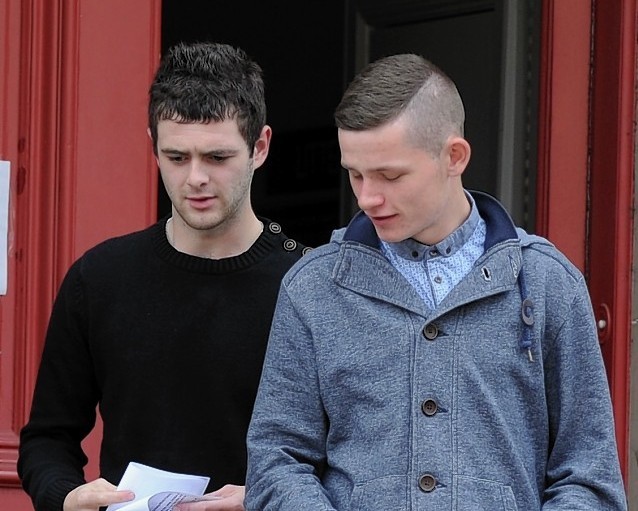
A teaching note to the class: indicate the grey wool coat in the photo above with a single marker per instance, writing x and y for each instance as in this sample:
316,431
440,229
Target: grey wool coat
497,400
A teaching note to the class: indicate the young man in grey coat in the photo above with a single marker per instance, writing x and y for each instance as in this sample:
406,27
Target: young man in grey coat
432,356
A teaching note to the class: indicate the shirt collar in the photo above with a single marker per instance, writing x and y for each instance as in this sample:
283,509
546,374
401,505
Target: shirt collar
412,250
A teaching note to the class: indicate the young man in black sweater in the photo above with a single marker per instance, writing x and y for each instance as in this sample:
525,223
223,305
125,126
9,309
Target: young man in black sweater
165,329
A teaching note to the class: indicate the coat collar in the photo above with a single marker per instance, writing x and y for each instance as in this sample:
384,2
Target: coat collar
499,228
499,224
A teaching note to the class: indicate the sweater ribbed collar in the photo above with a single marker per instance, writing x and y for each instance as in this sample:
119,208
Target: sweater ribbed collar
262,246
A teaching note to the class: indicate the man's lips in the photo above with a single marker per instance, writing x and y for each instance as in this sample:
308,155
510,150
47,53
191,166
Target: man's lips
200,202
379,219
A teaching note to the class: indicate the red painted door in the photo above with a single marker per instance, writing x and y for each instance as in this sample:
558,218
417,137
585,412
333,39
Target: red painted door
73,86
586,166
611,189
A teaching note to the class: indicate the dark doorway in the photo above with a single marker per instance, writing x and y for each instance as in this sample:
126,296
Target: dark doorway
310,50
300,47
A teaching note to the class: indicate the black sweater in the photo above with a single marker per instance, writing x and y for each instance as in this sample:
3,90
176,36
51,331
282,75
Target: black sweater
171,347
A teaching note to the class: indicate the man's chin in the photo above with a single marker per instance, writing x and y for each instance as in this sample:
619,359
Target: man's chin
389,237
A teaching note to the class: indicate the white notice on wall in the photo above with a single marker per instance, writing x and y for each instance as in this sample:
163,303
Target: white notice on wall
5,168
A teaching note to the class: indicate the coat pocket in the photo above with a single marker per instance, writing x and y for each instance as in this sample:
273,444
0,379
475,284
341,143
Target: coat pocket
483,495
382,494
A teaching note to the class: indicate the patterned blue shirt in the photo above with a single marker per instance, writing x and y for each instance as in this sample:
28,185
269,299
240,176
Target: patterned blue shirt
434,270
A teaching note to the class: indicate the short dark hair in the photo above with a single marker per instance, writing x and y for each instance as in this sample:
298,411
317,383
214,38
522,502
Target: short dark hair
404,84
204,82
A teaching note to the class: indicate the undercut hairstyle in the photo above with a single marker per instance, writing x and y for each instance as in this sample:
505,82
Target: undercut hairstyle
208,82
404,84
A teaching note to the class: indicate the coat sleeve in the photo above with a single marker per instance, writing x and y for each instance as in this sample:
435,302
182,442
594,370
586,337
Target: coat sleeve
51,460
583,471
287,435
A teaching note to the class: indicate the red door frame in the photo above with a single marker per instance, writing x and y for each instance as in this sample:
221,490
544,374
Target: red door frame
74,77
586,166
611,190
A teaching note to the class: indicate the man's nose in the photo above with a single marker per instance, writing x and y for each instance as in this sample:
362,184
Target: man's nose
369,195
197,174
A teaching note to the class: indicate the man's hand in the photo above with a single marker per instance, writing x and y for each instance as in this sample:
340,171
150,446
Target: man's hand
91,496
227,498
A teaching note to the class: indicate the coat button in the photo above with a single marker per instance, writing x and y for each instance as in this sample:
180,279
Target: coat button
274,227
429,407
427,483
430,332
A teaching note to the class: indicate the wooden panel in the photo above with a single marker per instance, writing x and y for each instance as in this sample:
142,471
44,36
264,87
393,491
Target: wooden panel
611,195
586,166
74,77
31,150
382,13
115,190
563,126
10,496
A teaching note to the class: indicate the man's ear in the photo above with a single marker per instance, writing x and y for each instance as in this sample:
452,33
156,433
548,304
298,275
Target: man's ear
459,152
260,151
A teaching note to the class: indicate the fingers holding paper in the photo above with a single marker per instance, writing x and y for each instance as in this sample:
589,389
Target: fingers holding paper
91,496
228,498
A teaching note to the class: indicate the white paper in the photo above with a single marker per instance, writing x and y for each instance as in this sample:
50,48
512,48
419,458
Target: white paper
5,171
163,501
159,490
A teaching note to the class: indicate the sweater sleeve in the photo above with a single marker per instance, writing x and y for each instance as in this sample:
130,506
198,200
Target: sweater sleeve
287,435
583,471
51,459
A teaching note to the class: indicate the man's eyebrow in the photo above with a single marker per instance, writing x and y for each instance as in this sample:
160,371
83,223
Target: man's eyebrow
171,150
220,152
212,152
374,169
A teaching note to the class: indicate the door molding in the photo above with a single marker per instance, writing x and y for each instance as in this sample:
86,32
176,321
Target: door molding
73,99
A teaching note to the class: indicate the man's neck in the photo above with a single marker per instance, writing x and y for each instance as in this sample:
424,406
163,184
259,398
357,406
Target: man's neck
228,240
